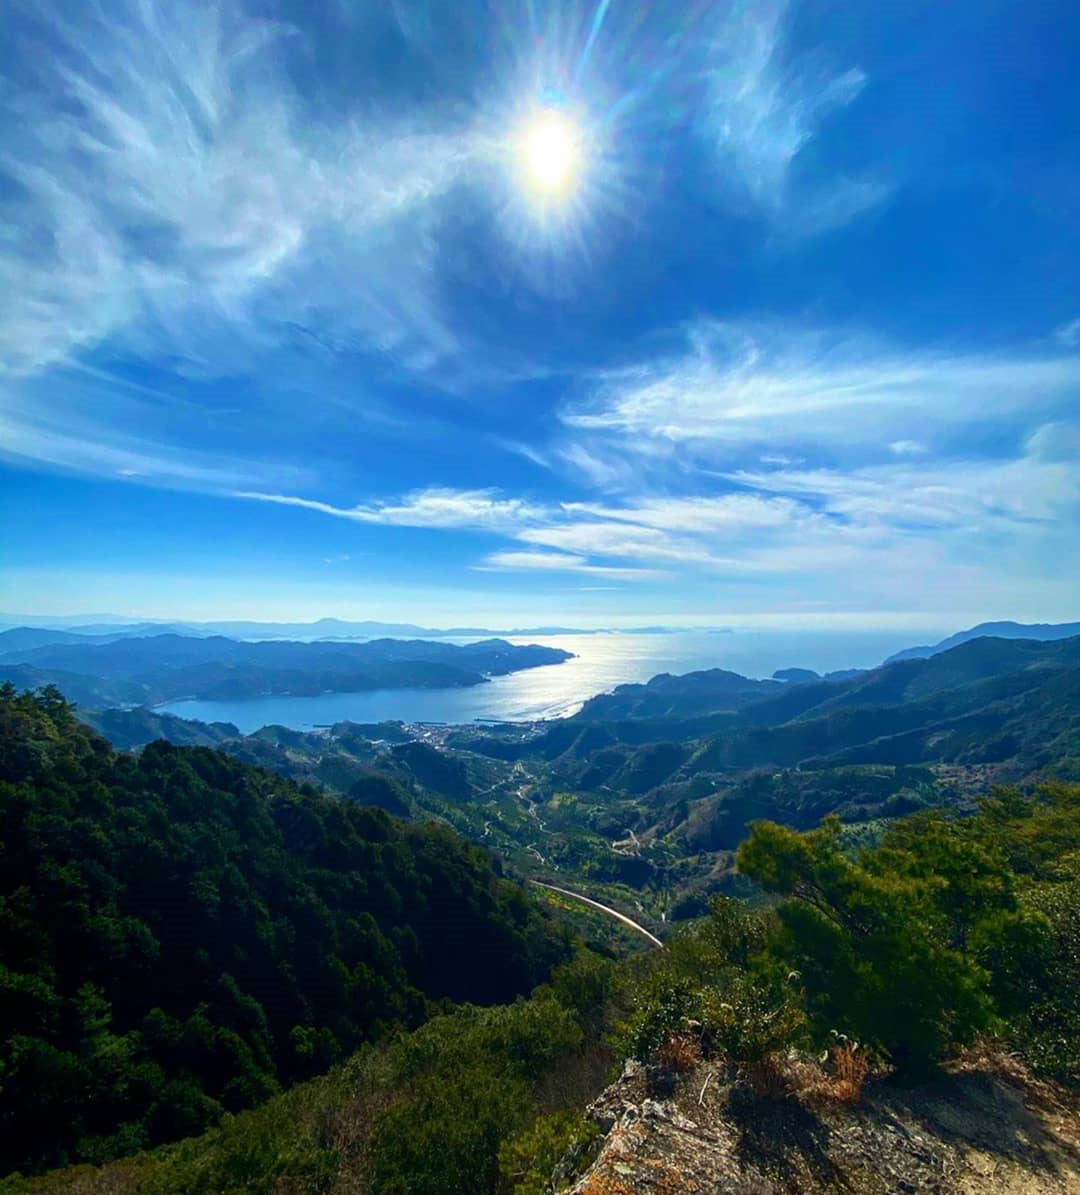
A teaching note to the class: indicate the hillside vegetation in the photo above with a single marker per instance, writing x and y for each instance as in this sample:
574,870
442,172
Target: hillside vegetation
181,934
643,797
847,1036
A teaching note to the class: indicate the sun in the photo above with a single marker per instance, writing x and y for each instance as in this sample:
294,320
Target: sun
550,152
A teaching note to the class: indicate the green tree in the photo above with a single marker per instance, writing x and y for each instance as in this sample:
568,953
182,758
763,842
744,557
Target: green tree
879,940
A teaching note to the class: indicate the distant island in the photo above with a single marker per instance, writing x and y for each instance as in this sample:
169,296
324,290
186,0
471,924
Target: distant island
152,669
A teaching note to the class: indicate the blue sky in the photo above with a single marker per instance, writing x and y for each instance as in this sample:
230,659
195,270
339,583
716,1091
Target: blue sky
289,330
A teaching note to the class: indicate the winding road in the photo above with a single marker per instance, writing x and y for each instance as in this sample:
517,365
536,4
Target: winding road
603,909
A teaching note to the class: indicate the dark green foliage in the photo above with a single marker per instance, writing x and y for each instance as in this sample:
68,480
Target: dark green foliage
442,773
948,927
556,1145
876,941
375,789
128,728
800,799
464,1086
721,981
180,933
480,1101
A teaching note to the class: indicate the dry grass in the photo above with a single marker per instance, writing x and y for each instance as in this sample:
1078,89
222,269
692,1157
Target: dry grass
838,1076
678,1053
850,1068
769,1077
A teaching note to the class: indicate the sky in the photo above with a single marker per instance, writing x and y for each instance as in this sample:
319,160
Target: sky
589,313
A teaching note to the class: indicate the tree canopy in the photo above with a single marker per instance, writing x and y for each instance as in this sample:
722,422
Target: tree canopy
181,934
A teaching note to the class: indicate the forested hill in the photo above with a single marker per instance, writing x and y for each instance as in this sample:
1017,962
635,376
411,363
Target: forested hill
182,933
156,668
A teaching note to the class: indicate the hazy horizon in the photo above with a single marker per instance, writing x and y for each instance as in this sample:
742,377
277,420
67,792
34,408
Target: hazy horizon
832,622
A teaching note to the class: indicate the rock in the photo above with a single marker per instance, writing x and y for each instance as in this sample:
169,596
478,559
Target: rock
971,1134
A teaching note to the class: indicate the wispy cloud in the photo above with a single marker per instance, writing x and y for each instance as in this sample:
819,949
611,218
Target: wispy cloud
973,497
1069,334
739,384
71,444
907,448
167,182
560,562
618,540
780,521
764,112
474,510
716,514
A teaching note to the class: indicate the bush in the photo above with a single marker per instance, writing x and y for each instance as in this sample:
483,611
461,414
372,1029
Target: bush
949,927
443,1138
1036,976
547,1155
877,948
463,1087
757,1019
717,990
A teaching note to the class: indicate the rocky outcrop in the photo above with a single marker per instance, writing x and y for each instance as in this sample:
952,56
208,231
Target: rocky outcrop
979,1131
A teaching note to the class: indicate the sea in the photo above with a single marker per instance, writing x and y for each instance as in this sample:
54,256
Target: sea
601,661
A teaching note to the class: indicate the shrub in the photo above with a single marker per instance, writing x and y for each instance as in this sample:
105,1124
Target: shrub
753,1023
463,1087
878,948
1036,977
717,990
547,1155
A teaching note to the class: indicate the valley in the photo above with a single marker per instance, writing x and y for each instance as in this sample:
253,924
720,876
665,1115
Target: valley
642,798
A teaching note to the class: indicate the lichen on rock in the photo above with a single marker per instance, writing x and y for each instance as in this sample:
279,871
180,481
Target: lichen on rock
990,1131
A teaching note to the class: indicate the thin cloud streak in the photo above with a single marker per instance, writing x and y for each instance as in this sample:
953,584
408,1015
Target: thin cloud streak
764,112
475,510
25,441
561,562
887,521
739,384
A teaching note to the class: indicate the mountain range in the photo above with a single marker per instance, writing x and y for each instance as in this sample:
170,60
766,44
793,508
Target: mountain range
997,630
649,788
100,671
110,626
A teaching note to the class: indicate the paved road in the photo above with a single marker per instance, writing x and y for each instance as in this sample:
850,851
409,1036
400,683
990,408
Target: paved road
603,909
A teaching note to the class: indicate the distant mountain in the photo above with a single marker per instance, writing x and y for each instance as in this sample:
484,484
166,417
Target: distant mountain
1042,631
158,668
796,676
26,638
631,789
112,627
741,723
666,695
128,728
336,628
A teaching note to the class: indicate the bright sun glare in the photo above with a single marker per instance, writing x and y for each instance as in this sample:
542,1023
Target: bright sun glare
550,150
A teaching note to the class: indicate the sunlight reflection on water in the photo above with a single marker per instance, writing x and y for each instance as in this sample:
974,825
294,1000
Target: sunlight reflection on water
601,661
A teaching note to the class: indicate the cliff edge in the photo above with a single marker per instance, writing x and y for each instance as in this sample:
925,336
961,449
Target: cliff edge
985,1129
